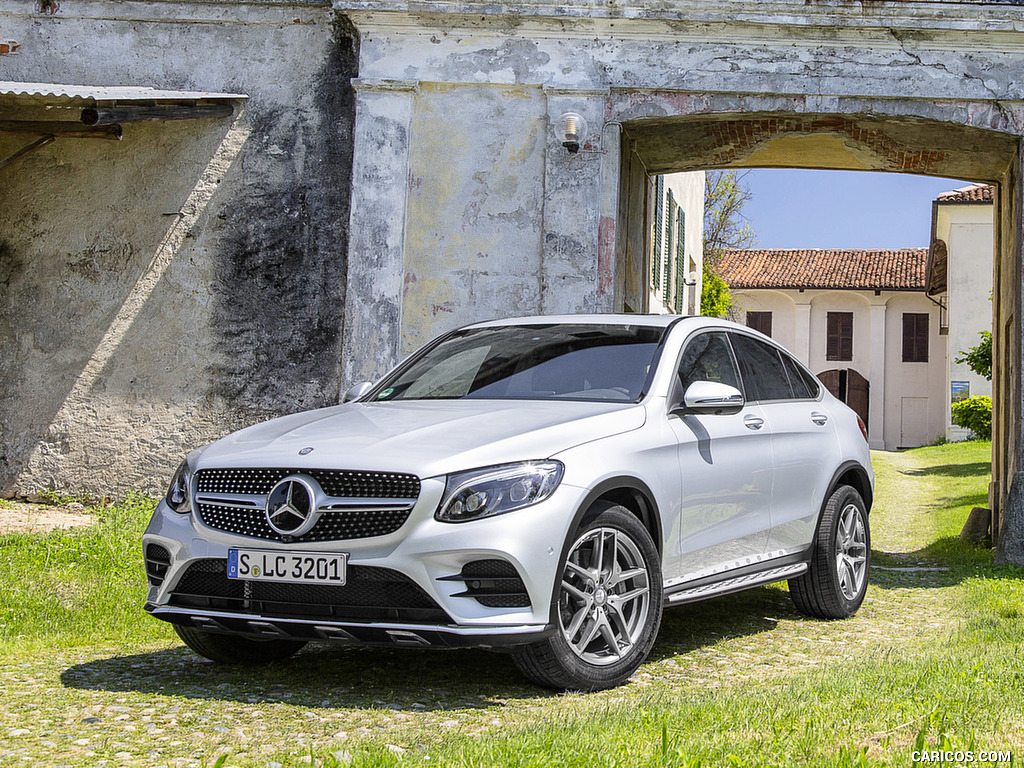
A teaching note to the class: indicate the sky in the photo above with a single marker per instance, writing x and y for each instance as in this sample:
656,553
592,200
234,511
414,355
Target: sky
841,209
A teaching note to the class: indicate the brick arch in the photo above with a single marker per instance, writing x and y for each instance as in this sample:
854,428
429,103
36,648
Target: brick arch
956,140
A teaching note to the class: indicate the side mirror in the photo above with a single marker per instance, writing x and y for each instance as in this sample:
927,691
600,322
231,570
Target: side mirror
712,397
357,391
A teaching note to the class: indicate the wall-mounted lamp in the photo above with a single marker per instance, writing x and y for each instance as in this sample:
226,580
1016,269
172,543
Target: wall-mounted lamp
690,279
574,129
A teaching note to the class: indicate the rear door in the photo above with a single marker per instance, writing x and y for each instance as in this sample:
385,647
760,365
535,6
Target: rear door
804,444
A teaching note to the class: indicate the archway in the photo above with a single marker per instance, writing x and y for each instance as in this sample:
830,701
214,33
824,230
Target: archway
662,133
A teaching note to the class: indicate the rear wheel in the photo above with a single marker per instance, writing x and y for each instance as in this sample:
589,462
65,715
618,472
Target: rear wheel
608,607
835,585
231,649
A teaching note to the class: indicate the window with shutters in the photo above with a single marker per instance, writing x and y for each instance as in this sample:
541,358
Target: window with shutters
839,336
760,321
915,337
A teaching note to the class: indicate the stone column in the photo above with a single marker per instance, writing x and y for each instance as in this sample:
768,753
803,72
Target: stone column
1010,519
576,275
876,395
376,246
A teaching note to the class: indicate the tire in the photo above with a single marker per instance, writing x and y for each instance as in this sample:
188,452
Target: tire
835,585
231,649
607,609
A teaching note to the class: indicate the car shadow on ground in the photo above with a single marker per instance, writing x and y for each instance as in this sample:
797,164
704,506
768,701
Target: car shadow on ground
689,627
338,676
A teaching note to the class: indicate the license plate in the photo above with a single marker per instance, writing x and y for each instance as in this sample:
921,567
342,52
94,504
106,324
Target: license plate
305,567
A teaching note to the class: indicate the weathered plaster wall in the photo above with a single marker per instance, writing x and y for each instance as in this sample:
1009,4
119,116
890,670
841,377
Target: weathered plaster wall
474,224
160,291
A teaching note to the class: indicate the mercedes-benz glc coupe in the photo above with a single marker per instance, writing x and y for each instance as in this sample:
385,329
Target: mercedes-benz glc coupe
544,486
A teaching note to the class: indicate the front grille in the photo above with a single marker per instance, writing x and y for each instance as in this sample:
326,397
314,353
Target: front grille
493,583
158,560
335,482
333,525
370,594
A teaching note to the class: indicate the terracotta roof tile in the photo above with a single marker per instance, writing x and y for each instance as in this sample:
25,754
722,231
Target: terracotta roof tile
897,270
975,193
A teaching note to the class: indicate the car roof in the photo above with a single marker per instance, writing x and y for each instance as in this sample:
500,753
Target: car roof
653,321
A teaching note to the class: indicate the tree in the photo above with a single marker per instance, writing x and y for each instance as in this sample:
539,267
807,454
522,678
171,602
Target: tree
979,358
715,299
725,228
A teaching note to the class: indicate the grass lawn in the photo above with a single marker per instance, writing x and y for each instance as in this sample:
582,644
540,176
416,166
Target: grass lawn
931,662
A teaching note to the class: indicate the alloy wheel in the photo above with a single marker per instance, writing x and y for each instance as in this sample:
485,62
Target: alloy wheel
605,596
851,551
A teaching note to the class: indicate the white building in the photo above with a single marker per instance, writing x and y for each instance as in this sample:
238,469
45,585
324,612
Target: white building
863,322
960,278
676,260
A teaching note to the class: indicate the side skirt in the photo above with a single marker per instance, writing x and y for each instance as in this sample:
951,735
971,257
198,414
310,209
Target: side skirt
738,580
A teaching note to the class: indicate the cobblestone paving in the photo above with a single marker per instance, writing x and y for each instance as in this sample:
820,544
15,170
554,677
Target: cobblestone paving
161,705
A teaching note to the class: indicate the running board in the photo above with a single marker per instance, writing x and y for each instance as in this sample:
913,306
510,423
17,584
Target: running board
735,584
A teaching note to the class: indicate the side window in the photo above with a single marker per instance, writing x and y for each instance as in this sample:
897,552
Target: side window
707,357
804,385
763,372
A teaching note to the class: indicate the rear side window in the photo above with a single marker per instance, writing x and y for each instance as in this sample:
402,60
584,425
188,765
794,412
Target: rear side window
763,372
804,385
708,358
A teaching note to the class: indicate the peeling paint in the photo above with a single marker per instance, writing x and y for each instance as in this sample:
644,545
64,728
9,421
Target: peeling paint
605,255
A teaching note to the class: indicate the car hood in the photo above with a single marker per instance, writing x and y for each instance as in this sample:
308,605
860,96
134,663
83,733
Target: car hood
425,438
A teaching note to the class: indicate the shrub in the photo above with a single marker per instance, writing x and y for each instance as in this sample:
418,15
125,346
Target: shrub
715,298
975,414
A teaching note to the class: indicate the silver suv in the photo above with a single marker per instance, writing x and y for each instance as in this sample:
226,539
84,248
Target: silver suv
544,486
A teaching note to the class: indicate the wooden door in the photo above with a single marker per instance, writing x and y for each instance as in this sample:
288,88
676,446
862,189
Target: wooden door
857,394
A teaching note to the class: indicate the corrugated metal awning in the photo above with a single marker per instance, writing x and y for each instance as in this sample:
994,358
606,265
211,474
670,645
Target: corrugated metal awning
50,111
81,95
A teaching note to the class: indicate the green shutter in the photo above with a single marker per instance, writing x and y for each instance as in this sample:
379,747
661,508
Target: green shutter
667,264
659,225
680,261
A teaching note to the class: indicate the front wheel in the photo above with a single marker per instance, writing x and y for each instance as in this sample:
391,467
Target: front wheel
608,607
231,649
835,585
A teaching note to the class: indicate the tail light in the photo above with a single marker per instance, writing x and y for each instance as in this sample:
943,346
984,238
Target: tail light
863,429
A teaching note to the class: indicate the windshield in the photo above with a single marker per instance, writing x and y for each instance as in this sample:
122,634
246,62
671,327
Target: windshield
531,362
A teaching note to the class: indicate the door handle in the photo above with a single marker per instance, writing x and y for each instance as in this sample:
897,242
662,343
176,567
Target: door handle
753,422
819,418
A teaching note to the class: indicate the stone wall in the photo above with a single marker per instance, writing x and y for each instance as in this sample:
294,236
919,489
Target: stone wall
157,292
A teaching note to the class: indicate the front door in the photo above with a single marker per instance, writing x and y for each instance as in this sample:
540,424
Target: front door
725,467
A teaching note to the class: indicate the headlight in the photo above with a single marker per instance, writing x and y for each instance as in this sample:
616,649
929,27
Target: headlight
178,497
497,490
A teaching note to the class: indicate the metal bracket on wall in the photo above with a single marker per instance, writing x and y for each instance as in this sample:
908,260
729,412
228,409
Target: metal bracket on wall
40,142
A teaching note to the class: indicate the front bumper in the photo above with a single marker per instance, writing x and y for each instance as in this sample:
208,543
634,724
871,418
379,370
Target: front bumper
423,558
361,633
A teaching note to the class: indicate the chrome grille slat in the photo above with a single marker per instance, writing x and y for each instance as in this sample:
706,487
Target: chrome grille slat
360,504
236,500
